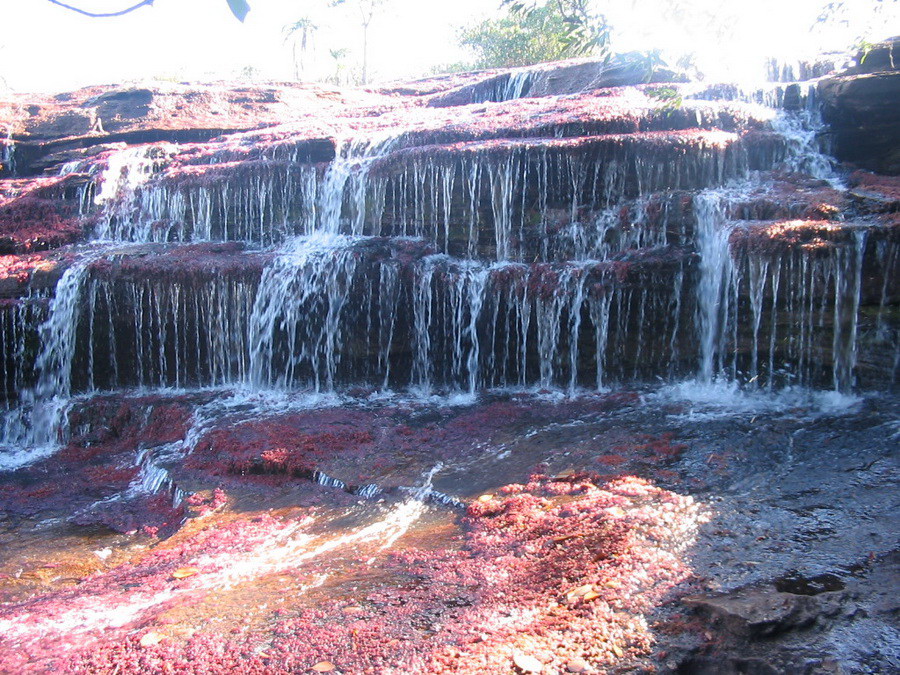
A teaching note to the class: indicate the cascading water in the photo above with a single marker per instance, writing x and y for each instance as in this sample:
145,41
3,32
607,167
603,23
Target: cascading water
296,321
715,280
303,293
126,170
727,276
38,419
8,154
570,262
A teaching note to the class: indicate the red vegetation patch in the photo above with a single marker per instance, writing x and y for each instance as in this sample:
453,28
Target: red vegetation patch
184,263
791,196
362,445
32,224
35,214
558,571
673,145
809,236
18,273
98,462
883,190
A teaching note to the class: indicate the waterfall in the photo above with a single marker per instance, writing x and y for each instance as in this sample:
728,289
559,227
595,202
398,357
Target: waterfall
591,249
713,290
727,276
38,419
802,130
8,154
297,319
295,326
126,170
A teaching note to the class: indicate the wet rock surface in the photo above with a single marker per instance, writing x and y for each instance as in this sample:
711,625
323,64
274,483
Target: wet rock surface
769,574
861,108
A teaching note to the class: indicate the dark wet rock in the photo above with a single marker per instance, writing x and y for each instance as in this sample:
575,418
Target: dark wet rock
862,109
874,193
764,611
797,584
816,626
881,56
726,665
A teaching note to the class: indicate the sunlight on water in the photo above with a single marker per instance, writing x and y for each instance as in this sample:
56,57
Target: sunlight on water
286,546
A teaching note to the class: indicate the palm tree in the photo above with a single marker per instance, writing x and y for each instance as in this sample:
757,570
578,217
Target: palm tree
367,10
300,33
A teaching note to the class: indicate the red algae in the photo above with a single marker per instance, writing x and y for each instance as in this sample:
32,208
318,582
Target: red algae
882,191
790,196
183,263
361,445
556,569
812,236
99,462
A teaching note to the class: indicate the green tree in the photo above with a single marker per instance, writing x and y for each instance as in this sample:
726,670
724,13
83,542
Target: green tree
582,30
339,57
523,37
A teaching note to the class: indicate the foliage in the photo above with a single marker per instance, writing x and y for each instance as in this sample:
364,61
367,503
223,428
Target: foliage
300,34
878,14
583,31
527,35
670,97
863,46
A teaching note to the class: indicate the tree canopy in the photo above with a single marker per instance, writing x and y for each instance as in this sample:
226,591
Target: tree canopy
531,34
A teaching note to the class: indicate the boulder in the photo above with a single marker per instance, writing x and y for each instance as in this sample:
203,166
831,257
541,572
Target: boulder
764,611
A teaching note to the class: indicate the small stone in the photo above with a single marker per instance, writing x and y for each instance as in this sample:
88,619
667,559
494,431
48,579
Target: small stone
151,639
485,498
323,667
185,572
579,592
527,664
578,666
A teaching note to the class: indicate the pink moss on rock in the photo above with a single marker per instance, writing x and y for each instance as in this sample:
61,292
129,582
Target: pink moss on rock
388,445
874,192
556,569
39,213
99,462
813,237
791,196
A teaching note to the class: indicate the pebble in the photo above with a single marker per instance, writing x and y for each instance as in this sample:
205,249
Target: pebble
527,664
578,666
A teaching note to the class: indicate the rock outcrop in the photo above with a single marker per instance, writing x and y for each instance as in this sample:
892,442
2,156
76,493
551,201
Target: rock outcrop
862,108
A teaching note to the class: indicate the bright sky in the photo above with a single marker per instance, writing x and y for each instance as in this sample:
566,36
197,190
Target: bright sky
45,48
